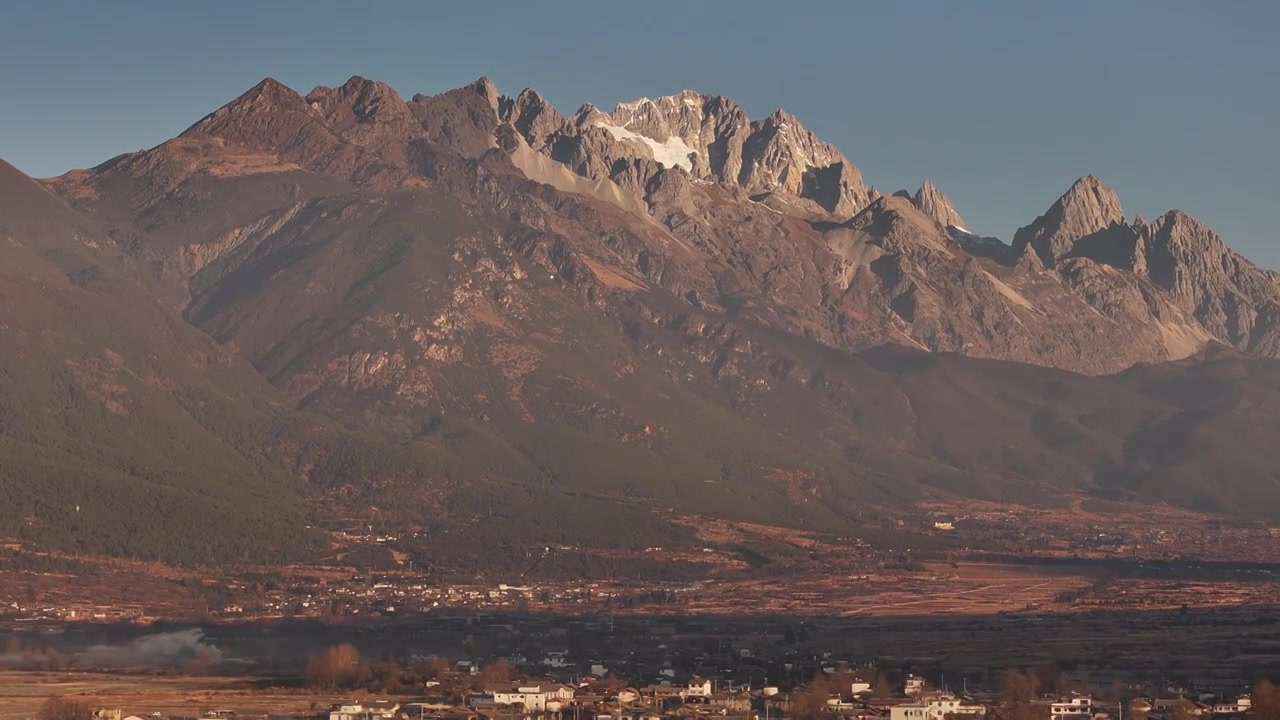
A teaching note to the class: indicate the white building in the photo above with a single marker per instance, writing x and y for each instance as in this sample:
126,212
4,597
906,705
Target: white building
935,706
1241,705
556,659
913,686
533,698
378,710
1076,706
698,687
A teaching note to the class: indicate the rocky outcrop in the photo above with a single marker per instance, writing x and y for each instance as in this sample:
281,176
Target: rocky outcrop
1185,264
359,102
1086,216
781,155
932,202
463,120
946,294
262,116
368,114
534,118
709,137
1231,297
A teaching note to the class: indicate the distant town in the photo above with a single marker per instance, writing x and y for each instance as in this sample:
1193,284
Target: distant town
1061,614
1072,559
436,688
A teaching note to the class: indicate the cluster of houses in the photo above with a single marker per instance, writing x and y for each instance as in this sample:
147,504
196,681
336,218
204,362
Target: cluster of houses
700,698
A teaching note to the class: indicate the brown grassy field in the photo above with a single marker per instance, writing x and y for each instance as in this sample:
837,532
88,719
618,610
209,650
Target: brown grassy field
939,589
23,692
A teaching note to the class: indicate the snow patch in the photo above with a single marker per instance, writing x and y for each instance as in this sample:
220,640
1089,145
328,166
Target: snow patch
672,153
957,227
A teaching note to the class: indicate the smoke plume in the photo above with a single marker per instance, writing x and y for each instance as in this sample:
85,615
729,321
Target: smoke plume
162,650
180,649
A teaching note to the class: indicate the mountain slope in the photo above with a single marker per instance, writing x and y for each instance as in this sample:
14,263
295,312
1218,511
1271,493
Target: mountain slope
123,429
670,311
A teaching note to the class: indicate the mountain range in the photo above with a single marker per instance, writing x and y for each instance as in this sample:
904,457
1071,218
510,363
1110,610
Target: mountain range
499,325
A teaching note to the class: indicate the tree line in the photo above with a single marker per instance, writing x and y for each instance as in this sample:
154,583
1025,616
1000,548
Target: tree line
342,668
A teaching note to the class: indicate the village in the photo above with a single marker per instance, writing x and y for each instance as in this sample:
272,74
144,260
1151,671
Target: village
1150,634
700,697
493,667
466,691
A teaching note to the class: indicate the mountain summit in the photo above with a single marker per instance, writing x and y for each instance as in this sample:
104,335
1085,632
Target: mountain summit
1086,211
932,202
711,138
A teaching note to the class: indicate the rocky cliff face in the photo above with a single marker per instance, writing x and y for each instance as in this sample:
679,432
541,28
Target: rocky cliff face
1086,221
1232,298
736,213
709,137
932,202
1190,267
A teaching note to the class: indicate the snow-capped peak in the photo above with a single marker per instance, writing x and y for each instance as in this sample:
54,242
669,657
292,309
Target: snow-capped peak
672,152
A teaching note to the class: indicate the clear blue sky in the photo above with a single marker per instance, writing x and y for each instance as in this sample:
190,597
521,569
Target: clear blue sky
1003,104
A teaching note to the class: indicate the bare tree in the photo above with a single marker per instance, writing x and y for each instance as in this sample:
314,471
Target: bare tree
811,703
60,708
1186,710
1265,701
498,671
424,669
881,687
339,666
389,675
319,673
1017,691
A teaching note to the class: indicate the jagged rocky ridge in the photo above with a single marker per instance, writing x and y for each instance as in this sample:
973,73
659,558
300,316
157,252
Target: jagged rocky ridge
709,137
1232,300
655,158
649,306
